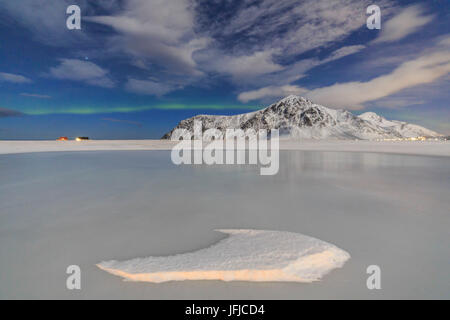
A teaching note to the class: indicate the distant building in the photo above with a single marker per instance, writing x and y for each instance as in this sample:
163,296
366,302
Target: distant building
62,139
82,138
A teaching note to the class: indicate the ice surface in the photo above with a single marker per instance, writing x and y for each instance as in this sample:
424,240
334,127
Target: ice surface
245,255
79,208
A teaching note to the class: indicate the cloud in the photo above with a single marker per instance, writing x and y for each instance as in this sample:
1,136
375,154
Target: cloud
248,71
159,31
295,26
445,41
352,95
420,70
254,43
262,46
290,74
393,102
271,34
33,95
408,21
14,78
343,52
148,87
245,66
284,76
46,19
271,92
9,113
83,71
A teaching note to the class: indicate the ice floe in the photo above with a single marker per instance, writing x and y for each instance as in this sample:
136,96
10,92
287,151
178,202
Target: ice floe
245,255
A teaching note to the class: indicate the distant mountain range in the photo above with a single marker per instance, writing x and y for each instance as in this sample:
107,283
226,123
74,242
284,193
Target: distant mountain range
297,117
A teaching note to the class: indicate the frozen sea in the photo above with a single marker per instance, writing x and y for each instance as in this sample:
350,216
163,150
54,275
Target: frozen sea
81,208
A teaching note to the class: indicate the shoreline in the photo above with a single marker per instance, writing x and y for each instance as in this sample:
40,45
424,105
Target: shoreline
420,148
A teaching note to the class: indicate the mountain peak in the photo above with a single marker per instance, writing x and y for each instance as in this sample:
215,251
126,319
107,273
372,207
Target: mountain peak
292,99
372,116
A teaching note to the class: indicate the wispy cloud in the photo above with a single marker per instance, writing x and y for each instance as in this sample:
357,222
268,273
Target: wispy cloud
83,71
159,31
271,92
424,69
405,23
9,113
409,69
294,26
263,48
352,95
149,87
293,73
195,40
46,19
34,95
243,66
14,78
394,102
343,52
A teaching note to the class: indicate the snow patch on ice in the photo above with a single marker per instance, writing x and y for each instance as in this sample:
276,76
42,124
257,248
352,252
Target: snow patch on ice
245,255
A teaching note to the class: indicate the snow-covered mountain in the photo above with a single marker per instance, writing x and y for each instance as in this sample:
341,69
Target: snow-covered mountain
297,117
406,130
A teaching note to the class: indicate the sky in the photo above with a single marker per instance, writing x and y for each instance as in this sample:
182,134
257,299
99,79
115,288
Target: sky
138,67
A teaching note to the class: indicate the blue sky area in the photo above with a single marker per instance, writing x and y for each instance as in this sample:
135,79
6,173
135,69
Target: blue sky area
138,67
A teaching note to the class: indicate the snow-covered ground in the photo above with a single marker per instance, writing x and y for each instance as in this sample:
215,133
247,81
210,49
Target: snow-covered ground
431,148
9,147
245,255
